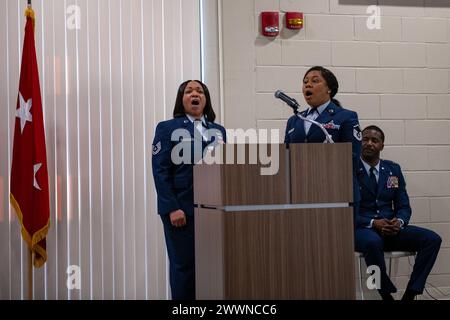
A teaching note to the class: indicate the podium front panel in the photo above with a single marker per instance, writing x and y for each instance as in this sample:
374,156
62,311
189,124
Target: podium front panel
243,184
321,172
280,254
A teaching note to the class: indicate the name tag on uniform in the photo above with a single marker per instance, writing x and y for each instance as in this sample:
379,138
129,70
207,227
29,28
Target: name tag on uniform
392,182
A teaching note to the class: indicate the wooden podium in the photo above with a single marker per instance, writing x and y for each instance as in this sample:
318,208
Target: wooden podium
282,236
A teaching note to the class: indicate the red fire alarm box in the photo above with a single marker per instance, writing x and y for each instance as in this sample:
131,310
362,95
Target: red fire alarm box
294,20
270,24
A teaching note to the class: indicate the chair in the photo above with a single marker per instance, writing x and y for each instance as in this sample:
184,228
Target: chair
387,255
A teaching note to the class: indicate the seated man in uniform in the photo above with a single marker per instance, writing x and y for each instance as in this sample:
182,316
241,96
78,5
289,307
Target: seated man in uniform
382,221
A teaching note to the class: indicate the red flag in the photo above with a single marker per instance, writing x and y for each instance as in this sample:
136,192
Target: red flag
29,177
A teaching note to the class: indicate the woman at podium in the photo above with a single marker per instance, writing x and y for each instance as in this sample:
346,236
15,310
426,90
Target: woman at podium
192,126
319,89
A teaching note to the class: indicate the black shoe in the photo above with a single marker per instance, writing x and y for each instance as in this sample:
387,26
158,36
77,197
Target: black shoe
387,296
409,295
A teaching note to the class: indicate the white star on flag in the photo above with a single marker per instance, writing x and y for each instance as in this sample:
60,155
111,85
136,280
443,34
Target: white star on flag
36,168
24,112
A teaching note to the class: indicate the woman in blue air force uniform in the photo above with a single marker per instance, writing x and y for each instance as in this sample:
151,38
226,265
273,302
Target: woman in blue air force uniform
194,117
319,88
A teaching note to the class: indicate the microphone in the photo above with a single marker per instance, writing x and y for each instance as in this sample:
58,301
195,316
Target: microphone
294,105
290,101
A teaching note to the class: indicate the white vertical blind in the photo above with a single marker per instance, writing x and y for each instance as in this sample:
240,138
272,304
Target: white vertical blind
104,87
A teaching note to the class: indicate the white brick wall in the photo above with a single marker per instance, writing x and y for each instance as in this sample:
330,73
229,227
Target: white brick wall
347,78
439,209
427,132
403,55
306,6
424,29
268,52
366,105
355,54
439,156
396,77
267,5
394,130
438,56
379,80
391,29
428,183
269,108
342,31
422,80
305,53
438,106
270,79
403,106
420,210
409,158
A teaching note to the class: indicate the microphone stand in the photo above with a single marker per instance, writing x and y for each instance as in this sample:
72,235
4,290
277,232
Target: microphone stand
328,138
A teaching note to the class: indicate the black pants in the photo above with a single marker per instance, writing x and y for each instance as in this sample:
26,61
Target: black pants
423,241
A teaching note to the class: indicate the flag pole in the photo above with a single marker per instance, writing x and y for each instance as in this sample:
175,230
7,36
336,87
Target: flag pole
30,274
30,252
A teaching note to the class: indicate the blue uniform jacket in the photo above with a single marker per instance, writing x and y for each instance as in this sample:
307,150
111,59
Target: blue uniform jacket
174,182
391,199
341,124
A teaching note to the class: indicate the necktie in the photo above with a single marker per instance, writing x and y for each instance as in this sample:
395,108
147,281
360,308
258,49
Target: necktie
198,124
373,180
312,114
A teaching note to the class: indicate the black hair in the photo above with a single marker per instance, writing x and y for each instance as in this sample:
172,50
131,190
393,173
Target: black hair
375,128
330,79
178,110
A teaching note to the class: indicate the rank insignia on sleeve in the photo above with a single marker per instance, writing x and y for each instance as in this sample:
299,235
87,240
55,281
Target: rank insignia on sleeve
357,132
156,148
290,131
392,182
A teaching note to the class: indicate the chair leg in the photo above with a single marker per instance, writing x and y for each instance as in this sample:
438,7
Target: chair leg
360,278
390,267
